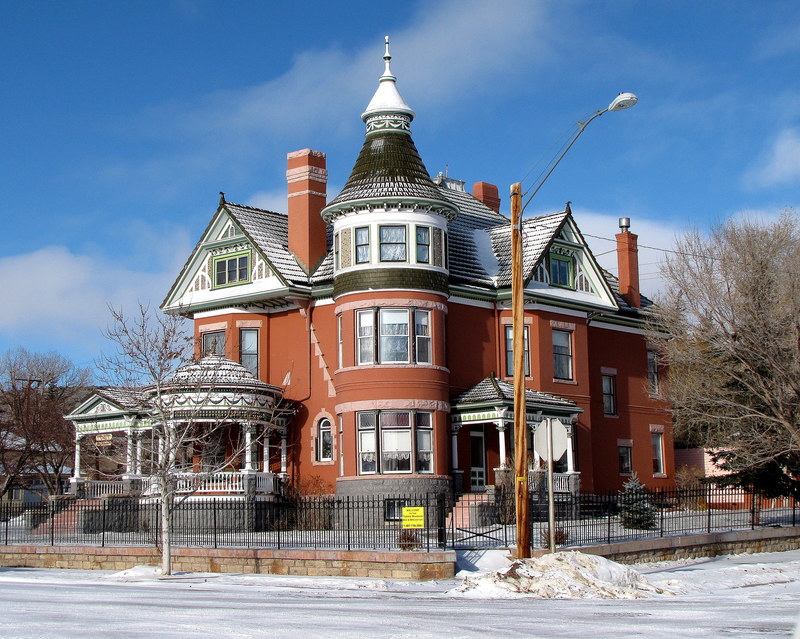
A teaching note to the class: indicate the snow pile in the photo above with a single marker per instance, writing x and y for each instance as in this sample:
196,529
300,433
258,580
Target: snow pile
137,573
561,575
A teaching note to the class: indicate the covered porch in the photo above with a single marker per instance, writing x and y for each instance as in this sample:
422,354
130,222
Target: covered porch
482,448
212,430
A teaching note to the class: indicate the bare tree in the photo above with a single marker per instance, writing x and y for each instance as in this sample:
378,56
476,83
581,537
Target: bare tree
35,440
150,363
728,331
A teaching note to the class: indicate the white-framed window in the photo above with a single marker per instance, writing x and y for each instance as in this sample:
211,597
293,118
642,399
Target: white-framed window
367,440
214,343
609,394
657,440
392,243
248,349
395,441
336,252
424,447
422,335
510,350
365,332
339,341
652,372
423,244
394,331
232,269
625,455
323,443
562,354
403,336
560,271
362,244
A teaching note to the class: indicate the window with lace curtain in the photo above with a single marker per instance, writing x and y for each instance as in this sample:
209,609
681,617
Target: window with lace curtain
403,336
395,442
392,243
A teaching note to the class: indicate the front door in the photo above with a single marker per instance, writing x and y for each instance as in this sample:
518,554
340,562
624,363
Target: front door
477,460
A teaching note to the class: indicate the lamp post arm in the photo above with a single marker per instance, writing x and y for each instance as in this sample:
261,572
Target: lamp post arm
581,127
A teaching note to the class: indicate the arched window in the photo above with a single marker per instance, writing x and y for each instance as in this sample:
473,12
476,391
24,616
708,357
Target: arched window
323,443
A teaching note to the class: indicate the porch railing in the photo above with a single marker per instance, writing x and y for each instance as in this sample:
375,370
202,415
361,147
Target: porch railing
568,483
97,489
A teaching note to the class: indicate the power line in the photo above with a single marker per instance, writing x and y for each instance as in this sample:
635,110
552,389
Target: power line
653,248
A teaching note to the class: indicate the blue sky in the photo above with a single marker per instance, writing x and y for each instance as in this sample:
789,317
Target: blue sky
121,122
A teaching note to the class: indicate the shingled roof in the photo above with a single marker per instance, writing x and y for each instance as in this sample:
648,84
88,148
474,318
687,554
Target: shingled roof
269,231
492,390
388,167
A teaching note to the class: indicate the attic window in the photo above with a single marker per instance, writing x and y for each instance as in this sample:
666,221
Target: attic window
561,271
232,269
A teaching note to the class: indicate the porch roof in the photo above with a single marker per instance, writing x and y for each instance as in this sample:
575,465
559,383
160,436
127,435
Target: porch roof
494,392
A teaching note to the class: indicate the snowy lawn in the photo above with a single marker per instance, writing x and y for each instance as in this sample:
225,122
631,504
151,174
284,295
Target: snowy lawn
733,596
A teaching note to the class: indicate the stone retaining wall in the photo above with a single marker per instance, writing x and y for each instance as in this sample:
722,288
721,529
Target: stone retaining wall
692,546
395,565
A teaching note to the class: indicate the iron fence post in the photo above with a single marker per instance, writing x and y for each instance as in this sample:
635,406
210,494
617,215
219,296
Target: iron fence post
608,524
427,523
794,511
347,518
214,516
52,523
103,526
7,518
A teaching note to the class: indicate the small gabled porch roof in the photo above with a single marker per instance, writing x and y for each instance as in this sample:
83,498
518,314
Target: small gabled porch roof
492,399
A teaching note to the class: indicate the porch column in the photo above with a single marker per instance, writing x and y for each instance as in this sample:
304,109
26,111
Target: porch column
76,472
129,453
454,444
265,455
283,451
570,449
501,432
138,467
248,448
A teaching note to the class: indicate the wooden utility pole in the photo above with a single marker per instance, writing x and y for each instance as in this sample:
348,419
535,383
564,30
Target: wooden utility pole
518,343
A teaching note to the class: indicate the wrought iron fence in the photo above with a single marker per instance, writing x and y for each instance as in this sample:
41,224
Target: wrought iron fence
471,521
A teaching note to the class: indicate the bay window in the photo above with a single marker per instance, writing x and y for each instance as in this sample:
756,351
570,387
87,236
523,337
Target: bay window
393,336
214,343
395,441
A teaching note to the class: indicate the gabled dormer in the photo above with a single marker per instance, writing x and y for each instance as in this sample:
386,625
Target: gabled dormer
241,259
567,270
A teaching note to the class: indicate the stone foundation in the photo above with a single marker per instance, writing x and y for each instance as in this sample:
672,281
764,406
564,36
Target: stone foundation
388,565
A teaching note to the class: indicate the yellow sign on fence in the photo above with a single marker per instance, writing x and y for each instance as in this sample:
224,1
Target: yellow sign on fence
413,517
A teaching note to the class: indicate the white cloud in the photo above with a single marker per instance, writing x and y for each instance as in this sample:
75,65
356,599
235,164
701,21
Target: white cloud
780,164
58,299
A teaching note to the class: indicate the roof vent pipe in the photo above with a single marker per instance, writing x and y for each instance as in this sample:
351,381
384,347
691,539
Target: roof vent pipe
624,224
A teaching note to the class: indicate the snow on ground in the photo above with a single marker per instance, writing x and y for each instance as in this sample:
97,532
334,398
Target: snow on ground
561,575
733,596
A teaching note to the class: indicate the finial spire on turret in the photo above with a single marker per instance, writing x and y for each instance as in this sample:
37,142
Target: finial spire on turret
387,101
387,58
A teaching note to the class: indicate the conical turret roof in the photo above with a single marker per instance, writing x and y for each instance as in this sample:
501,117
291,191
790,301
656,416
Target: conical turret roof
389,167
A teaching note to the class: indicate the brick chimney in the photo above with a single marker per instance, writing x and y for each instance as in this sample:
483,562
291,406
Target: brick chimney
487,193
628,263
307,176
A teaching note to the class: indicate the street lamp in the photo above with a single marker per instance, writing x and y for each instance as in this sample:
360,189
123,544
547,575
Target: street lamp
621,102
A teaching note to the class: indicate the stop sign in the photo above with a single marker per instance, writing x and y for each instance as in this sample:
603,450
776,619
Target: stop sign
559,439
